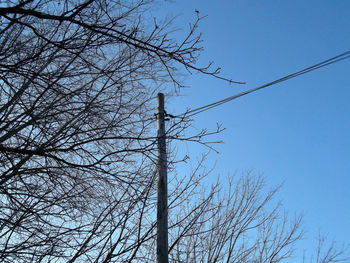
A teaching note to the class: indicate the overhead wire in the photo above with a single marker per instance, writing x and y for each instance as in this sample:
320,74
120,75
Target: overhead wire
322,64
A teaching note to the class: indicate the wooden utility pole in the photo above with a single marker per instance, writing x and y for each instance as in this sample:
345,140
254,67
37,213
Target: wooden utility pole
162,203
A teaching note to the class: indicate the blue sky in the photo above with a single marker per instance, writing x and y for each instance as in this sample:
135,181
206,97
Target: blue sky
297,132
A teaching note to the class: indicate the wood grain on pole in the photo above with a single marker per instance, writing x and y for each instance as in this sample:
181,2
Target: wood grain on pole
162,203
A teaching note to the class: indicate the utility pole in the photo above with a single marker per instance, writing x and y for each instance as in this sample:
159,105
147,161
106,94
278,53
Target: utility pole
162,202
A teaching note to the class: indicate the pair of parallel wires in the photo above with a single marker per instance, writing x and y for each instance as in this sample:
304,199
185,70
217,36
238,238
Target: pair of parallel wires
322,64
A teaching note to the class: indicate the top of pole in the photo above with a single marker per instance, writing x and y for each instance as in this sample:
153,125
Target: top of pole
160,102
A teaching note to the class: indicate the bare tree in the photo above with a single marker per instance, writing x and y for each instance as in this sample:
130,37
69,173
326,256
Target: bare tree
77,145
239,224
327,252
77,82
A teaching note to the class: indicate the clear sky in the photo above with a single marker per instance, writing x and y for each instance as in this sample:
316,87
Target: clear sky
297,132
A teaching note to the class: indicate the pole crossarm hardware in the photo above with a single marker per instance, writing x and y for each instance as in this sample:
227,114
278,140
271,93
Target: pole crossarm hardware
162,202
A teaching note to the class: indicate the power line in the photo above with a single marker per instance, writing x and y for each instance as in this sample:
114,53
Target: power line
322,64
